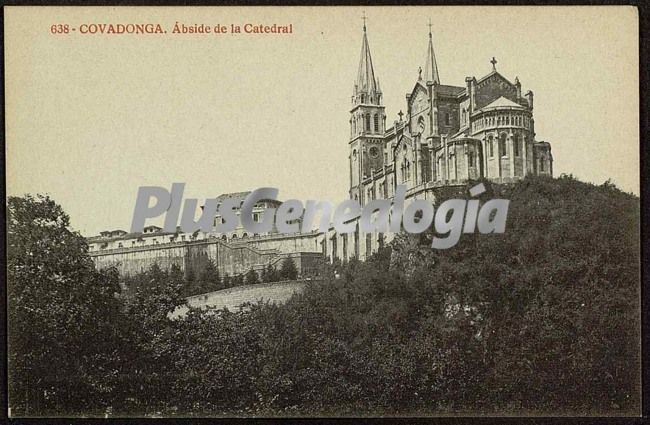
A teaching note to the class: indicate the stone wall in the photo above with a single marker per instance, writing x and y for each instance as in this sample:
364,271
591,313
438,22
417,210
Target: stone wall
231,257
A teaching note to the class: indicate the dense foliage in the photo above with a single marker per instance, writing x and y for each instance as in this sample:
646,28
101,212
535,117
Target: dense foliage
542,319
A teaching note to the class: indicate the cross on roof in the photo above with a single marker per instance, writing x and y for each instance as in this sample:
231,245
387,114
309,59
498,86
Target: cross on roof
364,20
400,113
494,64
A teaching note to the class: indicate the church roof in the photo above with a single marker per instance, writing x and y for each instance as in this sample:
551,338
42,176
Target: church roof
502,102
235,195
450,90
494,71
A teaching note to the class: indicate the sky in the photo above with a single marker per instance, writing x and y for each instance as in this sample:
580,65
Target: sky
91,118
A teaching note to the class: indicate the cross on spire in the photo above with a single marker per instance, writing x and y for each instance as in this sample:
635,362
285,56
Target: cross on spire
364,20
494,64
430,66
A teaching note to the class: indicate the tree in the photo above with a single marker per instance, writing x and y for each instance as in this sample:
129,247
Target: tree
209,278
176,274
251,277
264,277
237,279
270,274
288,269
64,319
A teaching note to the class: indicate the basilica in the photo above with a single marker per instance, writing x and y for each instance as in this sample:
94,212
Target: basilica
448,135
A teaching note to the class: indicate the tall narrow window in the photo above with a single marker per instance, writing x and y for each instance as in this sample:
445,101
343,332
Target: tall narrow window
502,145
541,165
470,159
376,123
491,146
367,122
516,145
447,119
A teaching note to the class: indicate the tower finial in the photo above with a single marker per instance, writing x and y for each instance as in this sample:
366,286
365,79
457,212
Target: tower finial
366,89
430,66
494,64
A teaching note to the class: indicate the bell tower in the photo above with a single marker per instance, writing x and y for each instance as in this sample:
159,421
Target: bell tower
367,124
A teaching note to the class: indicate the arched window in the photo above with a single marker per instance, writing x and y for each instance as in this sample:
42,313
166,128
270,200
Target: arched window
470,158
421,125
502,145
367,122
376,123
447,119
491,146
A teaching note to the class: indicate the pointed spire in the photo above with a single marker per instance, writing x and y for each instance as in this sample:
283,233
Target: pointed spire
430,66
367,86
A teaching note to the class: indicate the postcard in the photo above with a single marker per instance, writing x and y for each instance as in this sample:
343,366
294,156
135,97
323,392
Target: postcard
417,211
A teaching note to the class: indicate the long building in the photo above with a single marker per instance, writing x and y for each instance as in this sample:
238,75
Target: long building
447,136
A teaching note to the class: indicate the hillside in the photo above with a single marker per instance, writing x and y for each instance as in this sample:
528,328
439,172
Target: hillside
543,319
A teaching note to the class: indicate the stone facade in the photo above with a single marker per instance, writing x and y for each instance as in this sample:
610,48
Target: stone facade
233,252
448,135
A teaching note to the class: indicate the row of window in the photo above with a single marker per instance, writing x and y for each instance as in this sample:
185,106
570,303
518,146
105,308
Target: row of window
516,145
500,120
365,123
369,243
370,193
172,239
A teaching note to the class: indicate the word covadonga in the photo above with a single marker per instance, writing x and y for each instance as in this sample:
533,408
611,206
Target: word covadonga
452,218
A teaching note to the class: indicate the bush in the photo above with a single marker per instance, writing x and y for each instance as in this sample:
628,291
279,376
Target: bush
543,319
